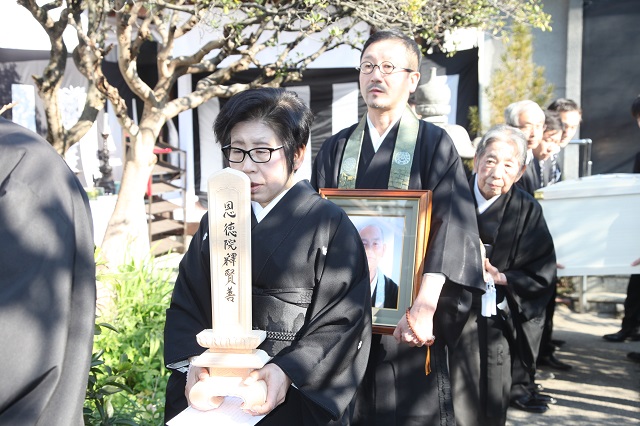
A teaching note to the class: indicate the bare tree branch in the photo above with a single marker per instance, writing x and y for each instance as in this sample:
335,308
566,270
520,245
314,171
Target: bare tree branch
226,37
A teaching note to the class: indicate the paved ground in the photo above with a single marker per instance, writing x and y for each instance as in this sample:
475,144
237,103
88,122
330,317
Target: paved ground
603,388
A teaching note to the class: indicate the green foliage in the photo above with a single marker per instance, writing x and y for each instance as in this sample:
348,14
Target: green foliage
105,381
475,127
518,78
128,379
435,18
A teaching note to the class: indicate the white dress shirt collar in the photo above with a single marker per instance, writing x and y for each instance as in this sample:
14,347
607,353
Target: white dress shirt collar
261,212
483,203
377,139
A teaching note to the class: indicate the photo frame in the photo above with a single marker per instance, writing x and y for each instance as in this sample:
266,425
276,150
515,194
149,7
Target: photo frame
403,218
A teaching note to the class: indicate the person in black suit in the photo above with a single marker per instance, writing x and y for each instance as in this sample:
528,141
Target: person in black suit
548,170
529,118
533,121
47,283
545,154
570,115
373,239
631,321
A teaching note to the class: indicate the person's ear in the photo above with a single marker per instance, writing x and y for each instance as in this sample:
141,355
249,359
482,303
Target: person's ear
298,158
414,79
475,164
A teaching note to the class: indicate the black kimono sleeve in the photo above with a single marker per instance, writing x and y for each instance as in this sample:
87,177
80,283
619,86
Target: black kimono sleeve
454,243
189,313
190,309
317,248
328,361
523,250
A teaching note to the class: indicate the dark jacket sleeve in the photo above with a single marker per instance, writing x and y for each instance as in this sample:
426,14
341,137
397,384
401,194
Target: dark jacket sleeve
47,283
532,269
528,182
324,173
454,243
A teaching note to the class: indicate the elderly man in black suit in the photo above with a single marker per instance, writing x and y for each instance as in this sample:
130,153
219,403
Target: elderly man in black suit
527,116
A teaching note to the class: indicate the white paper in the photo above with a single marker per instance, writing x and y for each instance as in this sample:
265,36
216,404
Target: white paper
229,413
489,299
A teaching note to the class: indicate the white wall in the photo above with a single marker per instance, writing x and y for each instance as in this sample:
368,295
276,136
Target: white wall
19,29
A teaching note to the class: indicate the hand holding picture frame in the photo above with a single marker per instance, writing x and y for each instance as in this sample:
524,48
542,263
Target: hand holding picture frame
403,218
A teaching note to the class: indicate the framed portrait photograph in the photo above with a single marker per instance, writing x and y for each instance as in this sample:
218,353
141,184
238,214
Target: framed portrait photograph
394,228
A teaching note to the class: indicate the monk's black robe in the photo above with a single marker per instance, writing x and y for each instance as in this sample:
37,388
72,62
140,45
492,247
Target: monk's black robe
396,390
522,248
311,294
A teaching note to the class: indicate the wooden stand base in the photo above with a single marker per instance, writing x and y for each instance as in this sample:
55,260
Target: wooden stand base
229,360
207,394
257,358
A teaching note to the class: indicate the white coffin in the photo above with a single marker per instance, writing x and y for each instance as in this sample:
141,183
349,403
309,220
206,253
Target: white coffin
595,223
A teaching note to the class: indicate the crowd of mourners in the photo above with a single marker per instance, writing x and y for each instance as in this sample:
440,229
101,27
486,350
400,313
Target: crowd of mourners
463,352
481,320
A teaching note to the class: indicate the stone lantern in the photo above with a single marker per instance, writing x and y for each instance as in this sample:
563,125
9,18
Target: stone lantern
106,179
432,103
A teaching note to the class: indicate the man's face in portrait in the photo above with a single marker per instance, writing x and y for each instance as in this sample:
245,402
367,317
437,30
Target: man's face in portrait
374,245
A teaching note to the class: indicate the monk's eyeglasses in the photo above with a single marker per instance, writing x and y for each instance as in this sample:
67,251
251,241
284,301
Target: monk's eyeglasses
385,68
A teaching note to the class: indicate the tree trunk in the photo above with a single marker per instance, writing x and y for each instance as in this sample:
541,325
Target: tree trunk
127,235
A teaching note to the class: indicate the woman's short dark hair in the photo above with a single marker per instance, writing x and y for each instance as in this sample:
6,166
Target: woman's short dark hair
413,50
281,110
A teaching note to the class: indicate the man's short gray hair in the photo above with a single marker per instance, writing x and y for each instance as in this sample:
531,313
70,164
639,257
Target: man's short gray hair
373,224
505,133
513,111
